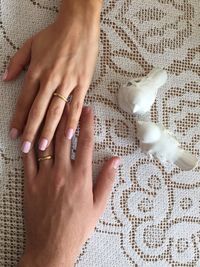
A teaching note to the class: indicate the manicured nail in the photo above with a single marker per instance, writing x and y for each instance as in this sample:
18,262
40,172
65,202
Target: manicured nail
43,144
70,133
14,133
5,75
116,163
26,146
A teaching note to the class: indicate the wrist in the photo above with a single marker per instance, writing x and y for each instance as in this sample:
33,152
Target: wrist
80,11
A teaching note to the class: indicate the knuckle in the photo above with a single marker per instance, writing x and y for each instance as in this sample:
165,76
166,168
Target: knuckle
51,75
35,113
47,75
48,132
55,111
59,180
77,106
32,188
84,81
55,65
83,85
85,172
87,141
78,188
28,134
31,73
69,78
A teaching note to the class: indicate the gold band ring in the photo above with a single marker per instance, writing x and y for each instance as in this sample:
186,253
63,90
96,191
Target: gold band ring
48,157
60,96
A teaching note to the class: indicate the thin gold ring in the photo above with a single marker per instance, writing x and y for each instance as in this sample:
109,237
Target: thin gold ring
60,96
48,157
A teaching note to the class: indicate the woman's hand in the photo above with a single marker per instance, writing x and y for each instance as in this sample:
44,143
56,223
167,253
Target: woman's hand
62,206
61,58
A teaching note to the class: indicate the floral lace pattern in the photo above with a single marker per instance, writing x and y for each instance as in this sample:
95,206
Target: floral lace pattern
153,216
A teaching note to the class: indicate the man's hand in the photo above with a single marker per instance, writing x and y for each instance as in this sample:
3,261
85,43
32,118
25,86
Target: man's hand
62,206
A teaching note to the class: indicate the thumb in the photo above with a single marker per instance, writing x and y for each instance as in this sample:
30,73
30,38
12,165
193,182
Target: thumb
104,183
18,61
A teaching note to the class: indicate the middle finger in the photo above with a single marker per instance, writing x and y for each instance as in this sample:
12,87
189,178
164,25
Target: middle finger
37,114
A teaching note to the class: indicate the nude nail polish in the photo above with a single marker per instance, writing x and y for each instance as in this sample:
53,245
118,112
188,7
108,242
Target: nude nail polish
70,133
43,144
14,133
116,163
5,75
26,146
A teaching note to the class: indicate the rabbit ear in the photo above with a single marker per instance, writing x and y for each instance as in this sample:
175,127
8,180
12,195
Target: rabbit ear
186,161
157,77
136,108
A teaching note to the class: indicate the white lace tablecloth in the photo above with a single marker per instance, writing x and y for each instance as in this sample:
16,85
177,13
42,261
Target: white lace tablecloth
153,217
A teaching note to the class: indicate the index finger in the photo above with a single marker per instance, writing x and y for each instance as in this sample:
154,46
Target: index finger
85,145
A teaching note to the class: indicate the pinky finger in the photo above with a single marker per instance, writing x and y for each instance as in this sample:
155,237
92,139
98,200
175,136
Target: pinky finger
18,61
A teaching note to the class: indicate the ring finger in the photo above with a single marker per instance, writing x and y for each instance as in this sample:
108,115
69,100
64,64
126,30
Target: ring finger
46,158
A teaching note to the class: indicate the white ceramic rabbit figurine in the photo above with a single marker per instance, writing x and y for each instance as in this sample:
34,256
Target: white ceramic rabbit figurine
138,95
158,142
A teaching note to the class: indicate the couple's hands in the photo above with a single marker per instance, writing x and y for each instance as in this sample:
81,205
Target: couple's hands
61,58
62,206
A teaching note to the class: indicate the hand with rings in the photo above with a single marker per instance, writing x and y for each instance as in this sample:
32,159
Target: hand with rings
61,61
61,204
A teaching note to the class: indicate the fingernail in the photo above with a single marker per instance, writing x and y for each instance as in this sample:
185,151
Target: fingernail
5,75
116,163
70,133
43,144
14,133
26,146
